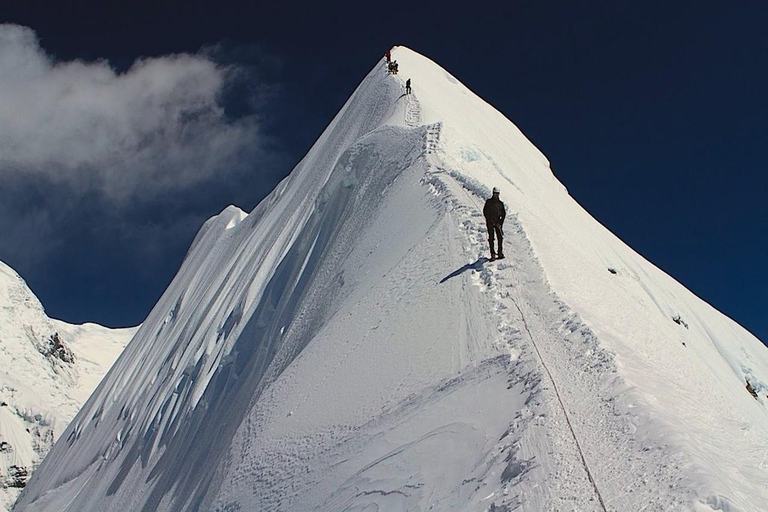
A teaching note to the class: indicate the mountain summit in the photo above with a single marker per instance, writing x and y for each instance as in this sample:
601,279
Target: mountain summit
347,346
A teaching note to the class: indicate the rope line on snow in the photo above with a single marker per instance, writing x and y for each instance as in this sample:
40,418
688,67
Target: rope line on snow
551,378
562,406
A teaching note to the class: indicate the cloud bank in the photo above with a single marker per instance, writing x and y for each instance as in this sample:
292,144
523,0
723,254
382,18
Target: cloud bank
106,175
158,125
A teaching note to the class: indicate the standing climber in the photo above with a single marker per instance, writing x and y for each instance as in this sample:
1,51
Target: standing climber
495,213
408,86
388,55
394,67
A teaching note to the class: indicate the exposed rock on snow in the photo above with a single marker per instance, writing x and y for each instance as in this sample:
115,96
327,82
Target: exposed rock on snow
751,390
57,349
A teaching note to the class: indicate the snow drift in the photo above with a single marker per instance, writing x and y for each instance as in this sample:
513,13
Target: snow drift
48,368
346,346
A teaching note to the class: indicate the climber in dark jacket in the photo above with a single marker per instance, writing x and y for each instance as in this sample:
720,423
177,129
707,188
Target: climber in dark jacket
495,213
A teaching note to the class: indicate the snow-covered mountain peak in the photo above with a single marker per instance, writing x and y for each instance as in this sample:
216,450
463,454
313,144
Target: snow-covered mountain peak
48,368
347,345
16,293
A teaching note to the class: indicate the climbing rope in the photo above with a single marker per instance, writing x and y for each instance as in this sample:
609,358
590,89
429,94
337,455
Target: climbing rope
562,406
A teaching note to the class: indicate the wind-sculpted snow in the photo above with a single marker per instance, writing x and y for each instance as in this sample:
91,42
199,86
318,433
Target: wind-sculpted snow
347,346
274,333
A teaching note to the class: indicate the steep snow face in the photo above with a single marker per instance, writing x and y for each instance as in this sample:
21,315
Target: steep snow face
346,346
43,382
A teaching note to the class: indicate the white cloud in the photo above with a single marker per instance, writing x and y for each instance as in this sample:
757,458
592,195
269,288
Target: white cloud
155,127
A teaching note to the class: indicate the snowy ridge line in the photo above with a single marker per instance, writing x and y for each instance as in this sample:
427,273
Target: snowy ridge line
562,406
462,185
468,184
551,378
412,111
568,459
578,357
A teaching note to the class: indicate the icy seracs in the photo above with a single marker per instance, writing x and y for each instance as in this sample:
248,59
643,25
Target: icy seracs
48,368
345,346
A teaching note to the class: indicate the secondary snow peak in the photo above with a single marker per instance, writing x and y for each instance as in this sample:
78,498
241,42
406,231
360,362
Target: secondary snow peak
47,370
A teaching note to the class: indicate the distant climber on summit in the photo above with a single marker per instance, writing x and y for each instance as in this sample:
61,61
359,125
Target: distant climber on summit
495,212
408,86
388,55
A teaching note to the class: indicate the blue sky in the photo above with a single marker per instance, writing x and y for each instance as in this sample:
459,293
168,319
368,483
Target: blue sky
652,115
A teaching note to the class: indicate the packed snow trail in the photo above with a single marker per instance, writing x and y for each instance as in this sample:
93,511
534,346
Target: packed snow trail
562,406
518,285
548,372
431,146
433,137
345,347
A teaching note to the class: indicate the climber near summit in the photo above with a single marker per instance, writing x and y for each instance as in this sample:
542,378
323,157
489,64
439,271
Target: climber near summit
495,212
408,86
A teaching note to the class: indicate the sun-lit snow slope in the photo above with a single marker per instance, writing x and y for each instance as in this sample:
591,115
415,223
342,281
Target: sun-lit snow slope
40,392
343,346
684,360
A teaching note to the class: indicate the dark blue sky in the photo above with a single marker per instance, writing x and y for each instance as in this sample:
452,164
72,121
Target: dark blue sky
651,113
